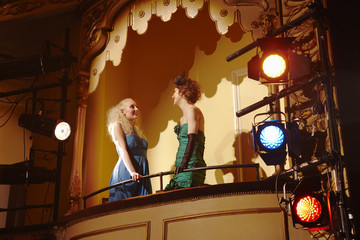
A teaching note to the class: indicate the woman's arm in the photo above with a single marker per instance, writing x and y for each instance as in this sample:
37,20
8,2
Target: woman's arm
192,135
119,140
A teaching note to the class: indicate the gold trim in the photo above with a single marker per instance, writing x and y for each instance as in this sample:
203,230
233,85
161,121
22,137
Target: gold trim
113,229
166,222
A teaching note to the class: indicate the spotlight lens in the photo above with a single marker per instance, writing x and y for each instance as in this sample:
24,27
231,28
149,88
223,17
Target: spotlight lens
308,209
274,66
271,137
62,131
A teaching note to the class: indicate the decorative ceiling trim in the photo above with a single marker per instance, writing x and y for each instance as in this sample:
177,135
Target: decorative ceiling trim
105,26
18,9
260,3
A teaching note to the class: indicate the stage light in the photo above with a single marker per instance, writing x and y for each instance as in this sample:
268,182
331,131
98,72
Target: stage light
274,66
273,140
270,139
276,63
62,131
54,128
271,136
310,206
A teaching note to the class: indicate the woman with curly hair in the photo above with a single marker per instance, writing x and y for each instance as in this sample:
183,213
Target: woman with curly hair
190,133
124,129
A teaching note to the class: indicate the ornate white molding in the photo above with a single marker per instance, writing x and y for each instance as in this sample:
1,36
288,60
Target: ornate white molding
247,13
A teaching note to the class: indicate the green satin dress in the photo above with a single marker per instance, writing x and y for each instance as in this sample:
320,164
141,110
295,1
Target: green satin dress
188,179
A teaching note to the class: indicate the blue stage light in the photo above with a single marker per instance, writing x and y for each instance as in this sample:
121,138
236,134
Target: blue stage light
272,137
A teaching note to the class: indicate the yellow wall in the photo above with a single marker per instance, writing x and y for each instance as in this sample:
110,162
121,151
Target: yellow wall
149,63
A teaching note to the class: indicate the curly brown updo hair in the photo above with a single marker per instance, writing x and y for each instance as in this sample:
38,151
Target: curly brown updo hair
188,88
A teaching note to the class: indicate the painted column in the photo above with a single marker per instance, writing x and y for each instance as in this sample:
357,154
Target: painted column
75,186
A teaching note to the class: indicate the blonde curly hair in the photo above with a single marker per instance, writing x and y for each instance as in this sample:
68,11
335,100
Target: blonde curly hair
114,114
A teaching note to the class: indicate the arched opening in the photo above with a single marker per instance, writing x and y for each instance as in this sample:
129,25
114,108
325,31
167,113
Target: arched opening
148,64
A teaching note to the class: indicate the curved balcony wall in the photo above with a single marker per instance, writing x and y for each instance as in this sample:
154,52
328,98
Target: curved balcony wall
227,211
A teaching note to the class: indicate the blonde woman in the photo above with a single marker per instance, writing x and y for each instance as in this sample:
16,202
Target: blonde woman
131,146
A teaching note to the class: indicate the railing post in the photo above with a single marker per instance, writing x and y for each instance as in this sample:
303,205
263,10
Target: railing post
257,173
85,198
161,181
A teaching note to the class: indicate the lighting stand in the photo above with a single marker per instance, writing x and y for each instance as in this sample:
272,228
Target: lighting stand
345,231
62,63
316,11
61,145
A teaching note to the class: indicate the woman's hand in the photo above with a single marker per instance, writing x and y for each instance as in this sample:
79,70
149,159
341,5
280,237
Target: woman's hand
135,176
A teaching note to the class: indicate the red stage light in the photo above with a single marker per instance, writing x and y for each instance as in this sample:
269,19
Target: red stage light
310,205
308,209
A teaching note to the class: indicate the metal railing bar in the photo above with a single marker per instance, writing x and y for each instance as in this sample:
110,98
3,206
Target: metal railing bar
161,174
26,207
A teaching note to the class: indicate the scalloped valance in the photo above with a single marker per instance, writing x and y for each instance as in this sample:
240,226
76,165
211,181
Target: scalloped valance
106,25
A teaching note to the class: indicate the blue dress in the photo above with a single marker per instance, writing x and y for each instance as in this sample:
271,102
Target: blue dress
137,149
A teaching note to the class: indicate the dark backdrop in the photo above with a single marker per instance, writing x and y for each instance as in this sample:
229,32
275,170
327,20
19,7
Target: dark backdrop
345,46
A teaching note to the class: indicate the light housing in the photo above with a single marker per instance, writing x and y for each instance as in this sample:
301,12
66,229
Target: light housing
307,208
310,205
54,128
270,139
292,66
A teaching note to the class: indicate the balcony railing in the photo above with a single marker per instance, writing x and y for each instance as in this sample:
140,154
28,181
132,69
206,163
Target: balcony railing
161,174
